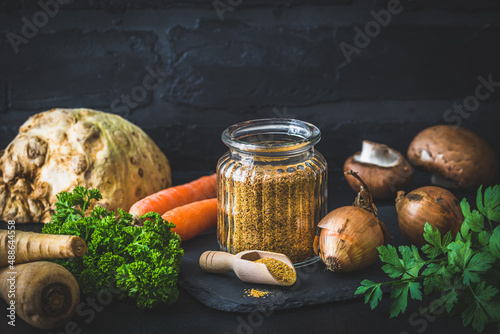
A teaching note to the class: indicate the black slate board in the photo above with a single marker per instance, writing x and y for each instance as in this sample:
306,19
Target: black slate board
314,285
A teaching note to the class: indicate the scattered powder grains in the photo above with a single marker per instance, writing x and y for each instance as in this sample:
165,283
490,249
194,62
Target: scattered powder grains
256,293
279,270
271,208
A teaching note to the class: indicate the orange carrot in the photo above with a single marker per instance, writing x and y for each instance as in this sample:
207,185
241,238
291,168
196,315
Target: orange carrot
193,218
203,188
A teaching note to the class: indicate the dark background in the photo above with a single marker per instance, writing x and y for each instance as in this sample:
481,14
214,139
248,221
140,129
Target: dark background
264,56
264,59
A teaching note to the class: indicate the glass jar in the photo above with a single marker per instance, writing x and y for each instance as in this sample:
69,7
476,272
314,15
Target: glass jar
271,188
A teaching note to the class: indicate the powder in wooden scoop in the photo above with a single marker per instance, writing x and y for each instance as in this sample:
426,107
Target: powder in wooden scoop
279,270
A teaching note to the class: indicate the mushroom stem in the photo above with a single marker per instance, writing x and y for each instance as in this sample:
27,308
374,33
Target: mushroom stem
377,154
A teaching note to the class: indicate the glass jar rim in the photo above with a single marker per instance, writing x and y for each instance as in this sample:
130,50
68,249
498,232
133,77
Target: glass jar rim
300,136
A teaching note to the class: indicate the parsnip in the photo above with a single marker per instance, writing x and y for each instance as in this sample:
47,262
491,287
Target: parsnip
44,294
31,246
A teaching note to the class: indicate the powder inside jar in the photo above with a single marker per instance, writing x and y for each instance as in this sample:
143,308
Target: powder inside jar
272,208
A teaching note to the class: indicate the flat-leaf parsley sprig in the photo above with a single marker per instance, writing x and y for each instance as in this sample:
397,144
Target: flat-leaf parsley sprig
142,262
465,269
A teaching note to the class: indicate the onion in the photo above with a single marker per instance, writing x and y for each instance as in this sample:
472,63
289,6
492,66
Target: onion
433,205
350,235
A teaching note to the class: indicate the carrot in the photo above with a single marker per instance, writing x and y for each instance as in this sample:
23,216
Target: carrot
44,294
193,218
31,246
203,188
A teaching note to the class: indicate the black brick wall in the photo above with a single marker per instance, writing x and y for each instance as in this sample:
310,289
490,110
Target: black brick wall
265,59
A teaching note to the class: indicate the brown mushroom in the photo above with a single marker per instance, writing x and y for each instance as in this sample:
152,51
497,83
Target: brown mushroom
456,156
383,169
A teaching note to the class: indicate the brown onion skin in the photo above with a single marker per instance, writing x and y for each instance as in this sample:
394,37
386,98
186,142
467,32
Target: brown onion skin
433,205
384,182
349,239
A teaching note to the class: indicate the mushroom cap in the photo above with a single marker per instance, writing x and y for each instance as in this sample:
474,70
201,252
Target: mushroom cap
383,181
456,154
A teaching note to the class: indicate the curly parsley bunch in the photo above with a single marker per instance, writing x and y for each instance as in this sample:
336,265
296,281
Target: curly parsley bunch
141,262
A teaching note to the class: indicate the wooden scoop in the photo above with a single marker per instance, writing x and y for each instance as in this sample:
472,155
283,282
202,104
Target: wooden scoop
243,266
